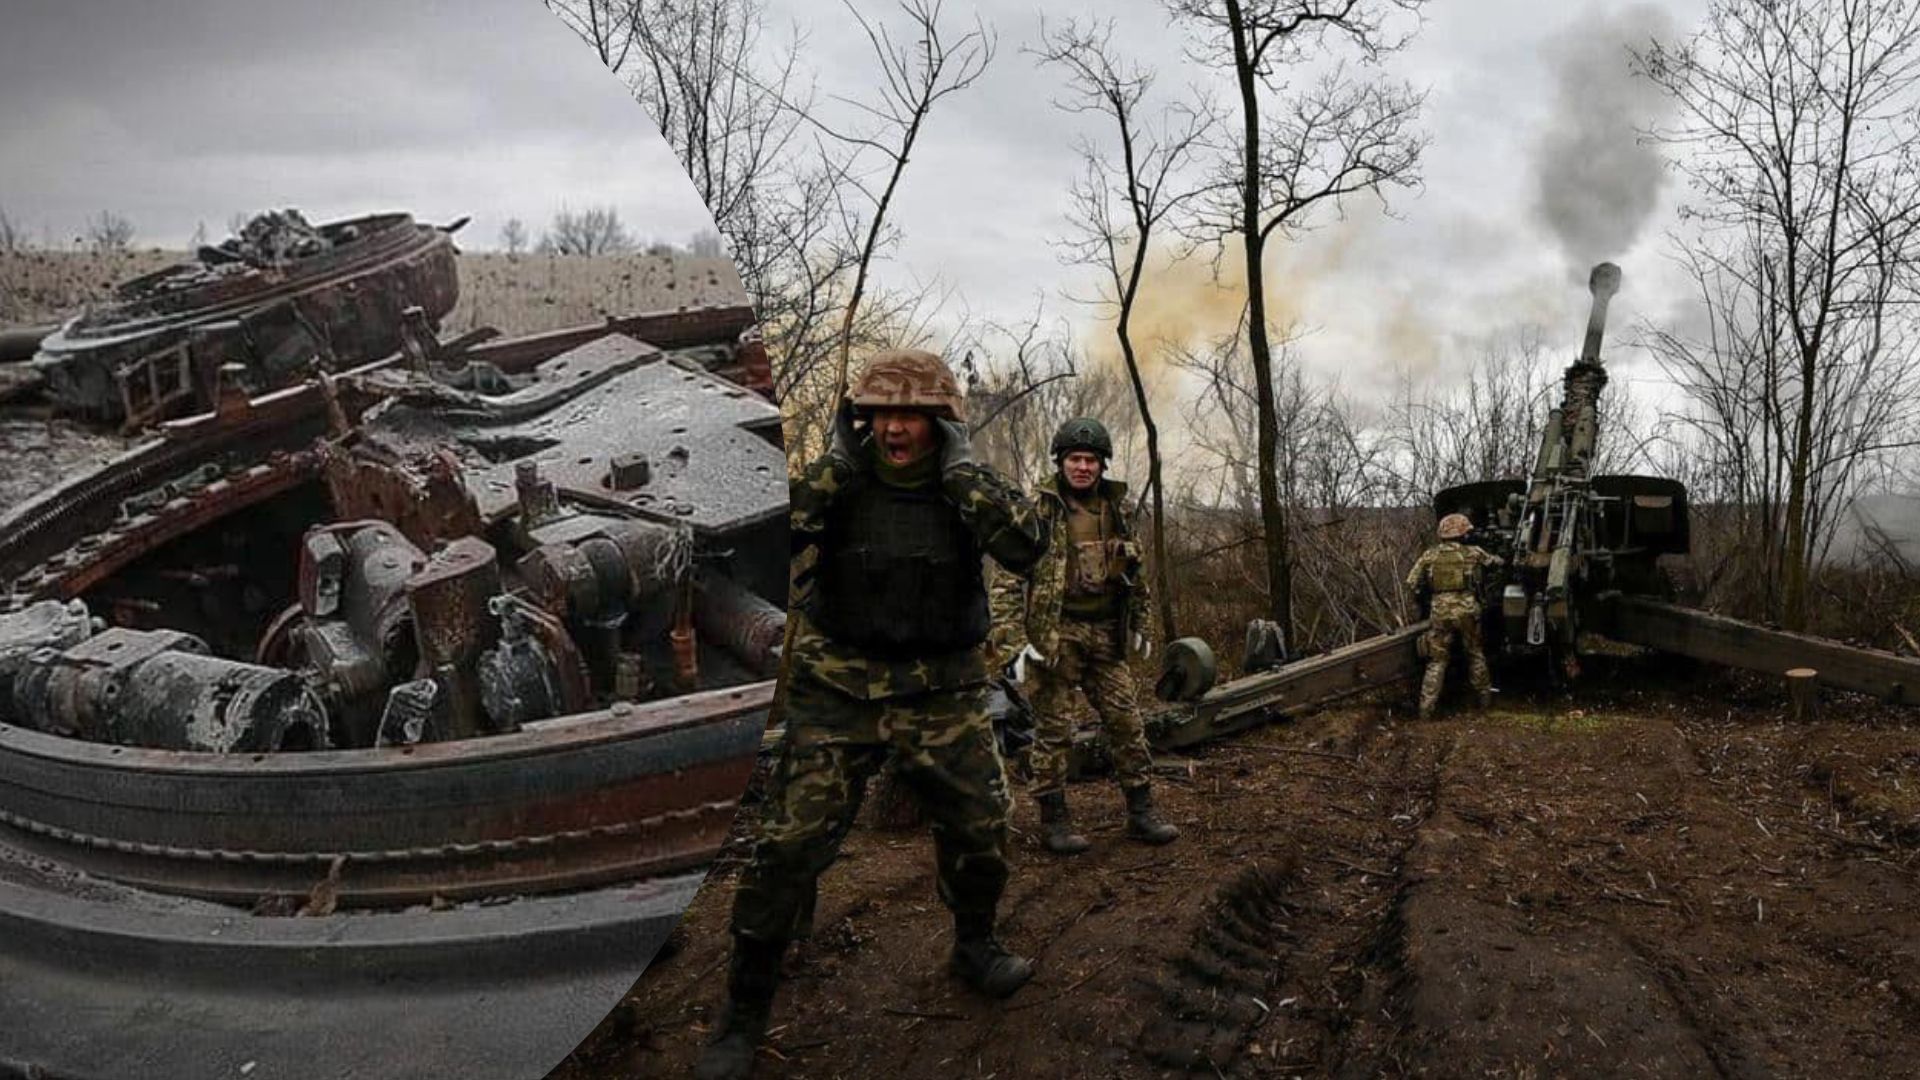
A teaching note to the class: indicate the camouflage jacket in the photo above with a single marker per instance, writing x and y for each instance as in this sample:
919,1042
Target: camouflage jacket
1453,572
1026,607
1003,525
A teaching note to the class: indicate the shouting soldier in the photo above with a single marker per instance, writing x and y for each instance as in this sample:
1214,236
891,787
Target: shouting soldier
888,663
1071,620
1449,572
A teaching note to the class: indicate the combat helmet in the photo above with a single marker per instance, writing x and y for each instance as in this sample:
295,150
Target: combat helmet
1455,526
908,379
1082,433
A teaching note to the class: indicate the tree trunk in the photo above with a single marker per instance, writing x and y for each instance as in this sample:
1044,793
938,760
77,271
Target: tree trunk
1162,570
1794,617
1273,515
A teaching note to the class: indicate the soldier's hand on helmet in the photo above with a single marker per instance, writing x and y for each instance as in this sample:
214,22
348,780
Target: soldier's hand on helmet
1025,662
845,442
956,445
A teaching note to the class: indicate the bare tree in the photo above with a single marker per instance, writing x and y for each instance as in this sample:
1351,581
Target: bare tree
1298,147
596,230
606,25
109,231
1118,208
915,73
1486,426
731,107
1019,377
513,236
1798,132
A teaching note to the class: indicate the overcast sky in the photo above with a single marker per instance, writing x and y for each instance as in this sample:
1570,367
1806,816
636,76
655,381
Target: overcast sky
186,111
1533,175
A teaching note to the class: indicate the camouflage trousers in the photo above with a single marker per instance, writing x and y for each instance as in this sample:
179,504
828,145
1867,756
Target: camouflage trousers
942,747
1089,658
1453,618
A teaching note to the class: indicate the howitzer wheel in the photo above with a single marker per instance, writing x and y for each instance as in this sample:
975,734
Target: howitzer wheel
1188,671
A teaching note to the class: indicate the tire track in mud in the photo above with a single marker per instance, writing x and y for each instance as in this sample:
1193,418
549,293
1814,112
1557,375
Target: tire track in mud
1498,964
1289,952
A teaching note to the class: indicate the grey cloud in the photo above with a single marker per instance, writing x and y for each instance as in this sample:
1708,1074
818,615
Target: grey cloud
1598,185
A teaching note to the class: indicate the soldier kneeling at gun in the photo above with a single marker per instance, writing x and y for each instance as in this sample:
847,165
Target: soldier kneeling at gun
1450,573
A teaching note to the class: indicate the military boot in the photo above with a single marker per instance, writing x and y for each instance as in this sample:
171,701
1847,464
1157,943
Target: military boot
1143,824
982,962
751,981
1486,700
1060,838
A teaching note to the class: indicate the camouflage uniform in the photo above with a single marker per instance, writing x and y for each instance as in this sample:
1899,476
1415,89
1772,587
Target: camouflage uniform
846,713
885,662
1452,571
1079,655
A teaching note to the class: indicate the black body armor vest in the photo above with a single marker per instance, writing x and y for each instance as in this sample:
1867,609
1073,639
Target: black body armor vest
899,574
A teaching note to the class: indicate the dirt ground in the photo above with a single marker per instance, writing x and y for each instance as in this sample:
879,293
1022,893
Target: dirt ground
1669,880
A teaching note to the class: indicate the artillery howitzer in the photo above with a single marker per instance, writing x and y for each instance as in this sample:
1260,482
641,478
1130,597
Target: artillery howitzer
1582,555
1571,539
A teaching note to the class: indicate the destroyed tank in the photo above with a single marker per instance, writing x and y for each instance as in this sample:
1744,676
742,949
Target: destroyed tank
267,305
478,633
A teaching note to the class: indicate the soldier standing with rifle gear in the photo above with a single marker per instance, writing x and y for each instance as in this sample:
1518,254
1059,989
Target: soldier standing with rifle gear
890,619
1449,572
1071,619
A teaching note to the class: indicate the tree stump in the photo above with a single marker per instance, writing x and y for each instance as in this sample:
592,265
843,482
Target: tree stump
1803,694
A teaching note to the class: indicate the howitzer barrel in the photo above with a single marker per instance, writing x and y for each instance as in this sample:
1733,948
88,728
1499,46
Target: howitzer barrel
1603,282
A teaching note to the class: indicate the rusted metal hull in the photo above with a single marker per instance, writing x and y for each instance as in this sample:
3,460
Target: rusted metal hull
635,792
630,793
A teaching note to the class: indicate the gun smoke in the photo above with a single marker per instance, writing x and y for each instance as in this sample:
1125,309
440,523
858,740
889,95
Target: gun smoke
1597,181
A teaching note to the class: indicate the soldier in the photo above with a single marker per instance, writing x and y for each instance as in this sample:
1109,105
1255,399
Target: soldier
891,614
1450,572
1071,620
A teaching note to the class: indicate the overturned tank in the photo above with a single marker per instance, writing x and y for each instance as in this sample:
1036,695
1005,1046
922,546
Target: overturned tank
480,634
267,305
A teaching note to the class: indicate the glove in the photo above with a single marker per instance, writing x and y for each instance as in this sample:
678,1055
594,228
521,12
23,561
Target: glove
956,446
842,448
1142,644
1028,657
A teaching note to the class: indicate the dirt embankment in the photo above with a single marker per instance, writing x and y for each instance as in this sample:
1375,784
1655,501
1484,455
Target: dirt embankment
1628,885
